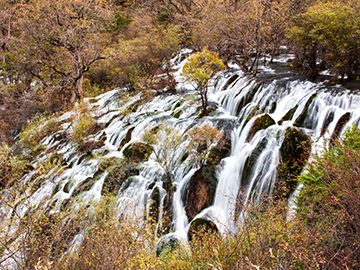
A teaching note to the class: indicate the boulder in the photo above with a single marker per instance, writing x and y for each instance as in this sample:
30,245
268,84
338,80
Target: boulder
138,151
201,225
260,123
295,151
118,173
301,120
200,191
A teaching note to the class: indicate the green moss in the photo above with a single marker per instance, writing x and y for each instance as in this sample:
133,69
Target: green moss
339,126
300,121
295,151
262,122
138,152
118,173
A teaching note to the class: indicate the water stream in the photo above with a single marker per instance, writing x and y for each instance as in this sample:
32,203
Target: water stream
239,100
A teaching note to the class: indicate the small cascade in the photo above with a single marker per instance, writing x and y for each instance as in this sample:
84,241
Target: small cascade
255,114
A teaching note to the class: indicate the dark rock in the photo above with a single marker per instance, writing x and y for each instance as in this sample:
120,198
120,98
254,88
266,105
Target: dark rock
201,225
220,151
155,204
247,98
138,151
200,191
260,123
250,162
328,119
85,185
88,146
68,186
295,151
168,203
300,121
118,173
339,126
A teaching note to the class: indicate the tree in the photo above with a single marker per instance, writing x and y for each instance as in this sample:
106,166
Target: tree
329,32
243,31
64,38
199,69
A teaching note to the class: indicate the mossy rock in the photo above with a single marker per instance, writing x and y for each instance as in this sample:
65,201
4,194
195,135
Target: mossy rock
289,115
177,113
212,109
118,174
295,151
68,185
167,243
199,226
200,191
339,126
301,120
138,152
220,151
262,122
88,146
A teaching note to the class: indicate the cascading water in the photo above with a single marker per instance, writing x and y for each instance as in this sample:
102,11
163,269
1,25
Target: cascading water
248,172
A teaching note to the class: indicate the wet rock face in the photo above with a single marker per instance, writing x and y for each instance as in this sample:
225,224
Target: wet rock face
260,123
301,120
138,152
339,126
200,191
220,151
295,151
201,225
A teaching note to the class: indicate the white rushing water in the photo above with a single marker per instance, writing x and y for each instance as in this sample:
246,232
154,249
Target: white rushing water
239,103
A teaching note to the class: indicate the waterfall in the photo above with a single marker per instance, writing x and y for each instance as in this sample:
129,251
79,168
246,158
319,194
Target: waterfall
247,173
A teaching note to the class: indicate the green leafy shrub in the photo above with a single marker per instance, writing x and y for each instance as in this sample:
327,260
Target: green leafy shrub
329,202
36,130
11,167
199,70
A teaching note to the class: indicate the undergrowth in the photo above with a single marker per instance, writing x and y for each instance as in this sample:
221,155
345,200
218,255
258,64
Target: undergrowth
322,234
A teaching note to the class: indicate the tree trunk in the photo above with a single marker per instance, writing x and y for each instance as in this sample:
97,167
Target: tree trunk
4,72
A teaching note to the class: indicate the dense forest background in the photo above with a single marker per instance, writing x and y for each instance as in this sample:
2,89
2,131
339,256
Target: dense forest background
54,53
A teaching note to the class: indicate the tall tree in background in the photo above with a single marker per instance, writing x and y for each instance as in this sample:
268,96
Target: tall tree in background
327,36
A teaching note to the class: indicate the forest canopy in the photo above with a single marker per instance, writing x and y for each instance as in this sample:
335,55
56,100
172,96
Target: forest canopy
53,53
